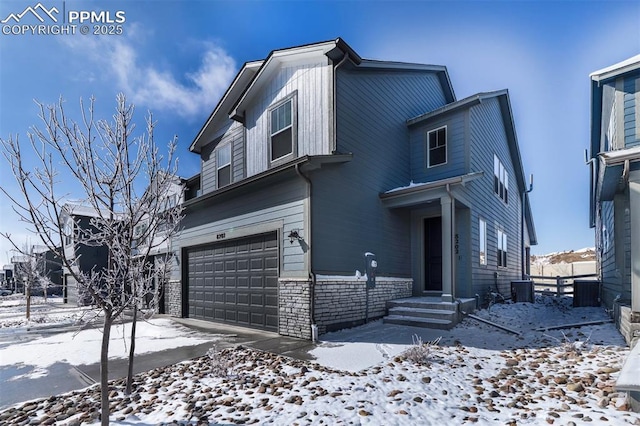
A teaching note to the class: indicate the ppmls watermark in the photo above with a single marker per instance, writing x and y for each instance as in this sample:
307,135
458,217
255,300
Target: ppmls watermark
41,20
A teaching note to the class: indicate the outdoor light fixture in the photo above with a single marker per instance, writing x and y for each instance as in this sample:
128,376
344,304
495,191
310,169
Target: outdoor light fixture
294,235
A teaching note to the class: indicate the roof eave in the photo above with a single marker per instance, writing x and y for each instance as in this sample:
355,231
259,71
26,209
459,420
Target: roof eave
306,163
197,142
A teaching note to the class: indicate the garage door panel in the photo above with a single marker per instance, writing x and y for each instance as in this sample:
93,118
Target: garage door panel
235,282
257,299
242,265
271,263
271,300
243,299
272,283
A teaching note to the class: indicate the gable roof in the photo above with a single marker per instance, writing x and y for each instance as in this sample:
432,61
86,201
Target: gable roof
253,75
512,140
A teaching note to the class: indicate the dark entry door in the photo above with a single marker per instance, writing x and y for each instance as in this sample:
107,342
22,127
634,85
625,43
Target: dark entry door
433,254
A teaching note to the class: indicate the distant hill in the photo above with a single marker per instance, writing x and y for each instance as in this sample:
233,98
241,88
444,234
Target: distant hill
571,256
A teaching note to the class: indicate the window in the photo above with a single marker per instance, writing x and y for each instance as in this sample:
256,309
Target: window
502,248
437,147
140,235
483,241
223,158
68,231
282,130
500,180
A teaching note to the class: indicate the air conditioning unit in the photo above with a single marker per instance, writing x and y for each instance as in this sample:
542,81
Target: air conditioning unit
522,291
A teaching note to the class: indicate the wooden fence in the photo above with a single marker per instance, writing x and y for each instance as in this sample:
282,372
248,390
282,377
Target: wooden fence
560,285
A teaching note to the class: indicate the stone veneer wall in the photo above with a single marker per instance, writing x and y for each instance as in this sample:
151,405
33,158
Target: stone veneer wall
173,298
294,308
341,303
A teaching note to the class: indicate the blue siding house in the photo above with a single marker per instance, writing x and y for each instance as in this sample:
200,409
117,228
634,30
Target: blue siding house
316,162
615,203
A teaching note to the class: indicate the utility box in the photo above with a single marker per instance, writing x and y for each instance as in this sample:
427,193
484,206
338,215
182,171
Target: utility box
522,291
371,265
586,293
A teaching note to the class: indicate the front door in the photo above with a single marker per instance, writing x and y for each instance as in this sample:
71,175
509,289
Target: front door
433,254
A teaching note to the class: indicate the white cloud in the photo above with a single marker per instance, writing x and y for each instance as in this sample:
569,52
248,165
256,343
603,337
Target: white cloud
189,95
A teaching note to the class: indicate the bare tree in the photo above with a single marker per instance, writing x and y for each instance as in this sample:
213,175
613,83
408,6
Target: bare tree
28,267
125,182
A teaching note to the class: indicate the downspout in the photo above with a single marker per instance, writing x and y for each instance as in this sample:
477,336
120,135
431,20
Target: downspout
312,295
522,220
453,242
334,142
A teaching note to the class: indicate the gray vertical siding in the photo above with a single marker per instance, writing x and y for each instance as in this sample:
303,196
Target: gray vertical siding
348,216
234,136
488,137
631,138
309,82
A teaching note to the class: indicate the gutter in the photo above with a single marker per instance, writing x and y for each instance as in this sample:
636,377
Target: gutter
313,161
522,221
312,295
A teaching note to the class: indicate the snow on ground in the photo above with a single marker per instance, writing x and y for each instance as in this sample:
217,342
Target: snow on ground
83,347
54,311
78,346
476,374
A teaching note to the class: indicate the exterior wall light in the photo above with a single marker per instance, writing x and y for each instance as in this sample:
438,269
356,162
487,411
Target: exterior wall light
294,236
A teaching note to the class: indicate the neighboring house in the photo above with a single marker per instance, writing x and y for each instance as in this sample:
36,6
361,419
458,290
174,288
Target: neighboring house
314,158
159,248
49,266
73,219
8,279
615,204
615,189
19,263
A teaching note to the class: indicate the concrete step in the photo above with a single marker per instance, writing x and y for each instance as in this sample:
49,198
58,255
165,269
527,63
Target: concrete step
436,323
421,304
405,311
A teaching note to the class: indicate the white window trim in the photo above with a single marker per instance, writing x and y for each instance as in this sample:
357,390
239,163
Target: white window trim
503,179
482,239
502,247
446,147
293,98
221,166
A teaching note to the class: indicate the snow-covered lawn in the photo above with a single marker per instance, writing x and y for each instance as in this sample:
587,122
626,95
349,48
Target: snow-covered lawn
53,312
476,374
81,346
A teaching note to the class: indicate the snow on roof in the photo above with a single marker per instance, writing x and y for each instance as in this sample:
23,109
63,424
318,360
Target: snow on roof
616,69
437,183
621,155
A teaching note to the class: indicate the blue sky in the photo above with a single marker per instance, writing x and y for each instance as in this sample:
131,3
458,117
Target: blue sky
176,58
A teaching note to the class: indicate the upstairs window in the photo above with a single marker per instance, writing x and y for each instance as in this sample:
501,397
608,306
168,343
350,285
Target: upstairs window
68,231
437,147
502,249
500,180
223,159
140,235
282,130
